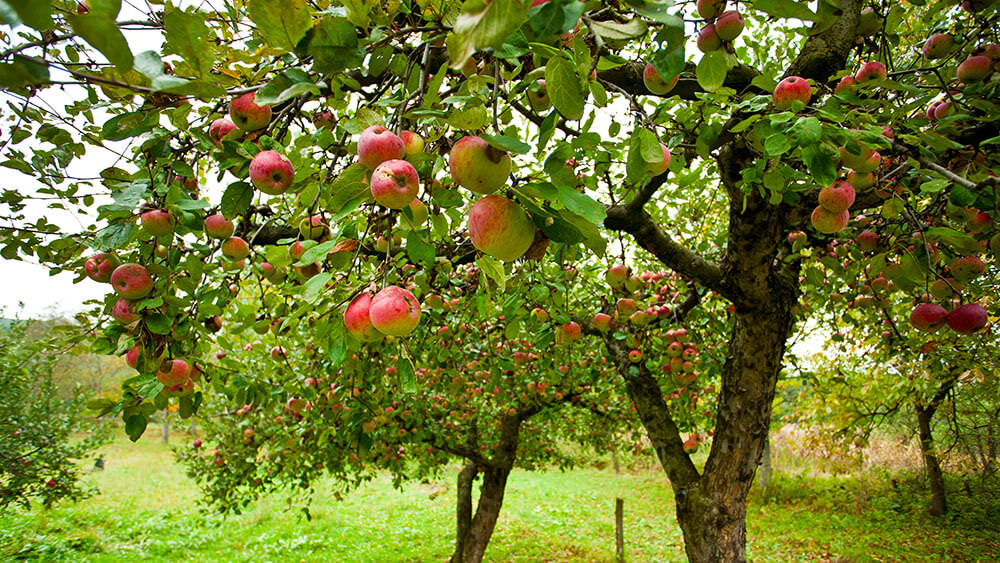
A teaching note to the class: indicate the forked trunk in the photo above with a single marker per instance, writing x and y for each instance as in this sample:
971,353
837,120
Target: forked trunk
480,529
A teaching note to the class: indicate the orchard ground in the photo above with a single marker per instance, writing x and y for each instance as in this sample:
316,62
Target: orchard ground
147,510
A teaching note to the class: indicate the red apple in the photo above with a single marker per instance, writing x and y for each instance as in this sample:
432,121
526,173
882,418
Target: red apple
247,115
131,281
570,331
394,311
867,241
846,84
827,222
313,228
357,320
394,184
538,96
860,181
602,322
967,268
710,9
271,172
220,128
729,25
132,356
617,275
967,319
975,69
377,145
635,356
123,311
708,39
659,167
500,228
157,222
412,143
790,90
479,166
235,248
173,372
873,70
837,198
217,226
655,83
938,45
928,317
99,266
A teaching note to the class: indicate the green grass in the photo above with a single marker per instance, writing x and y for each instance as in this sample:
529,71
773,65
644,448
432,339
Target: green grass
148,510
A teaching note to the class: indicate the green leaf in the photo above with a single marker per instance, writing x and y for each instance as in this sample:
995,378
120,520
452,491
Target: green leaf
787,9
236,199
958,240
157,323
282,23
613,30
483,24
103,34
285,86
493,269
315,285
418,249
186,406
565,90
337,350
406,375
657,11
318,252
822,163
712,69
582,204
334,45
23,72
777,144
188,36
508,143
115,236
33,13
135,425
127,125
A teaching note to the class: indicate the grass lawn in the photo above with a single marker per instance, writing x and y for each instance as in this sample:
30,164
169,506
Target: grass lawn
148,510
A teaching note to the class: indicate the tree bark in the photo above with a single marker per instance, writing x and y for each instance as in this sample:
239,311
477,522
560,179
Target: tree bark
764,475
463,510
480,529
165,431
935,478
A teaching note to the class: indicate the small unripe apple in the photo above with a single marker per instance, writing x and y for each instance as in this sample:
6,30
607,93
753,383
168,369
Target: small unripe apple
847,84
157,222
539,314
420,213
247,115
655,83
357,320
235,248
173,372
570,331
867,241
131,281
928,317
271,172
377,145
412,143
123,311
323,119
500,228
860,181
635,356
873,70
995,245
938,45
132,356
478,166
827,222
394,184
626,306
856,161
277,353
617,275
99,266
967,319
217,226
729,25
220,128
394,311
214,323
837,198
790,90
708,39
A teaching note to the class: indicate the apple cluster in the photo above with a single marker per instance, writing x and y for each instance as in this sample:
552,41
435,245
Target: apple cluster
721,27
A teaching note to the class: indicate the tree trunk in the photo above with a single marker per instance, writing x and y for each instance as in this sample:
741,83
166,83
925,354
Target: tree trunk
194,427
479,531
463,510
934,476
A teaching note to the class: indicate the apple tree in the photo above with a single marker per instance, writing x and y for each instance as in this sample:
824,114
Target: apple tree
337,163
